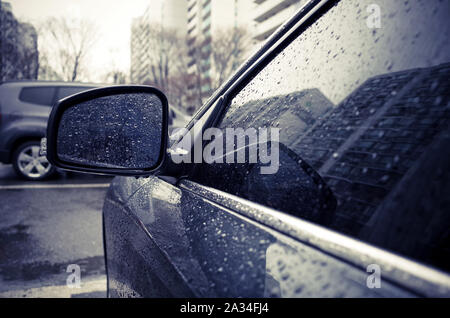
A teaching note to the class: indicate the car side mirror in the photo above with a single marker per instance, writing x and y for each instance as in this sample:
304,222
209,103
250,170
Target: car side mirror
120,130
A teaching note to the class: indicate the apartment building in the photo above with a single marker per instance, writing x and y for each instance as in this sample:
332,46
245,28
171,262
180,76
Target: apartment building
138,51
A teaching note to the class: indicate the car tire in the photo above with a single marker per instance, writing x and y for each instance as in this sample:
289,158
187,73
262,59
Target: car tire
29,164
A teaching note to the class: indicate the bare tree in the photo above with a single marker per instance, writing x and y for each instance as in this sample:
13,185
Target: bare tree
197,55
63,47
177,66
166,54
116,77
46,70
114,73
228,52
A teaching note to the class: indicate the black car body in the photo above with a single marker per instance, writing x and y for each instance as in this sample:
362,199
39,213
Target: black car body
359,204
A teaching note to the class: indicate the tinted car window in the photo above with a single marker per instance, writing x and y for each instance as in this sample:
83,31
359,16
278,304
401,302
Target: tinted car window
67,91
366,106
37,95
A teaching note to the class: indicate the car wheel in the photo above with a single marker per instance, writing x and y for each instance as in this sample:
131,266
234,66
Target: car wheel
29,164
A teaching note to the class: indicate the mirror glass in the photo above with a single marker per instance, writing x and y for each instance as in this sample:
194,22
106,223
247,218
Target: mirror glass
121,131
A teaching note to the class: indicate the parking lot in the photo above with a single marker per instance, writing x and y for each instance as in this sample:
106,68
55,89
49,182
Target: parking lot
45,227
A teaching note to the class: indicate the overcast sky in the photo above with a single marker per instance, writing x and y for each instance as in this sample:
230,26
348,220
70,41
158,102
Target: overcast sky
113,18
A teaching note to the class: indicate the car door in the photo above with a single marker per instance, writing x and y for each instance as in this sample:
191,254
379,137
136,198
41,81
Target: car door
363,114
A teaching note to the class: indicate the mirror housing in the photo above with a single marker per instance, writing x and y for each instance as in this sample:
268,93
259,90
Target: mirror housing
118,130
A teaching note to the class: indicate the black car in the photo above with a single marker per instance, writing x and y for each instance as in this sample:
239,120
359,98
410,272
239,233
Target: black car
356,204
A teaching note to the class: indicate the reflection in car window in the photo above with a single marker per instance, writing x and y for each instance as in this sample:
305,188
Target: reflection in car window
367,108
38,95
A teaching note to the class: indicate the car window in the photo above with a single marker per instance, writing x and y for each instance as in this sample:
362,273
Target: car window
363,100
67,91
37,95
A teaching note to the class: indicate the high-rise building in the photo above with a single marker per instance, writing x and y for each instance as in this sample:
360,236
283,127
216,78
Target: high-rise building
270,14
138,51
167,14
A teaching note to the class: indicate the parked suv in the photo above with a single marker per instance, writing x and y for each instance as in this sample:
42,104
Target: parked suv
24,110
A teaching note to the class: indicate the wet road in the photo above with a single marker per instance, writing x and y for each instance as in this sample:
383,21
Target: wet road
46,226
